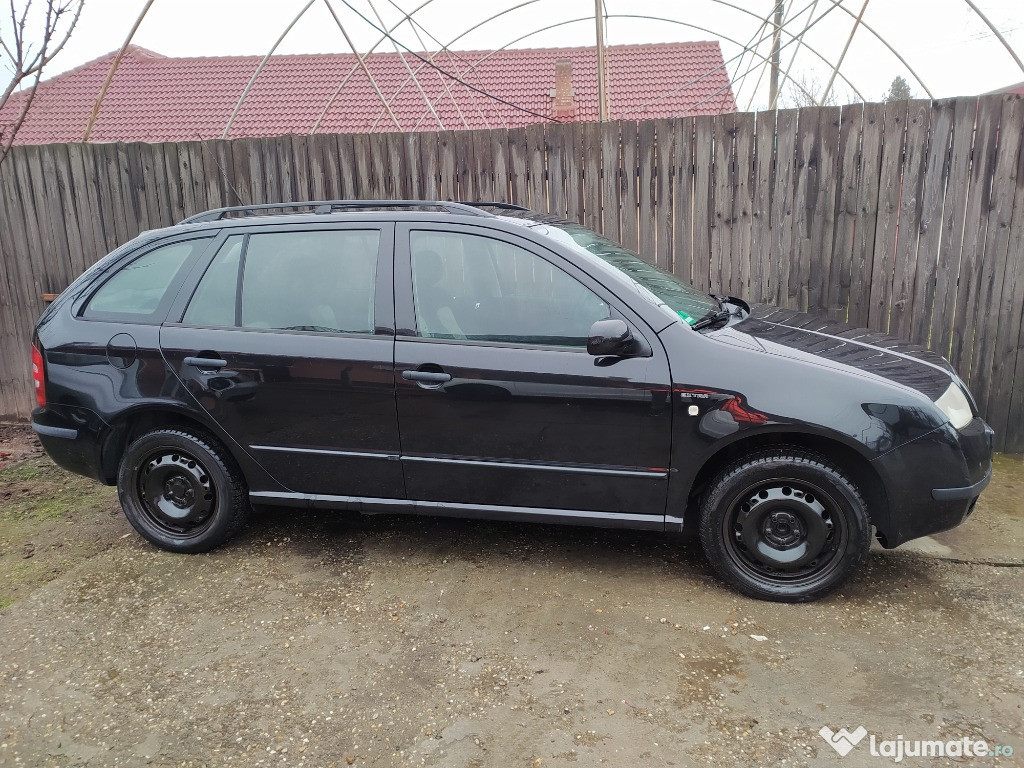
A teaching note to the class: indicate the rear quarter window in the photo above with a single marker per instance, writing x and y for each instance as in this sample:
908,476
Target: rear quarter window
140,290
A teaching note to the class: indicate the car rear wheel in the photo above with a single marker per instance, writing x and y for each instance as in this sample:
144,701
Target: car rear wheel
784,525
181,490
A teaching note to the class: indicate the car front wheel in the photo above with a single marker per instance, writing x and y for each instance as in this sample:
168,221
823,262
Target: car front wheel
181,490
785,525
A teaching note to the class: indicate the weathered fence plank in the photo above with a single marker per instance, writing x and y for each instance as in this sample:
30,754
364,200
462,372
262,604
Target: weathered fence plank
518,179
787,122
647,236
555,148
761,206
888,214
743,162
536,167
628,235
1007,359
972,262
953,220
908,227
936,175
823,211
837,294
720,218
992,309
682,199
574,178
592,138
611,204
665,154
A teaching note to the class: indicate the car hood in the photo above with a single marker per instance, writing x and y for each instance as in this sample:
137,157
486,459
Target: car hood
807,336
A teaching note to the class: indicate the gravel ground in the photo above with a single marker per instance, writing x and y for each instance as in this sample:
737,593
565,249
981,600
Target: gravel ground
317,639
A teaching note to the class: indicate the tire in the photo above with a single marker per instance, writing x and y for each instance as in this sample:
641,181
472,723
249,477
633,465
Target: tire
784,524
181,490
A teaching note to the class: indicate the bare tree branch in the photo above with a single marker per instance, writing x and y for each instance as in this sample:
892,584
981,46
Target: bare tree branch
28,58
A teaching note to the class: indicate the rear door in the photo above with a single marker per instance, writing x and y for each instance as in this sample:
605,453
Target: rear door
287,342
500,404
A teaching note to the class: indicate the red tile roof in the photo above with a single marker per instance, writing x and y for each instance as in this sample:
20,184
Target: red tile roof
1017,88
159,98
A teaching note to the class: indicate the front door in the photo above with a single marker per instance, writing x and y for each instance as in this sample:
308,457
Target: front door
499,402
287,342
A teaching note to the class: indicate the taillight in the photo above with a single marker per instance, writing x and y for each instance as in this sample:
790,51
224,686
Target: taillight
38,376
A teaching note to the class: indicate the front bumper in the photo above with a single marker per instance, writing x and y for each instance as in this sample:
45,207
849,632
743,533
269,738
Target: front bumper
933,482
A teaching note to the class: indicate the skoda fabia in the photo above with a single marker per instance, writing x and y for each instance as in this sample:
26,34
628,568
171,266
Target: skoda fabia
485,361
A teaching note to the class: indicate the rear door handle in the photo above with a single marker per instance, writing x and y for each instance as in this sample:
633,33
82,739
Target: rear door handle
206,363
431,377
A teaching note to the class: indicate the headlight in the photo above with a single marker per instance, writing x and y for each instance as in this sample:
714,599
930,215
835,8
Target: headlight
955,407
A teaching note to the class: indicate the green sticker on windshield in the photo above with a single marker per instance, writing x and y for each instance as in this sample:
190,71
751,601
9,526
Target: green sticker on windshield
686,318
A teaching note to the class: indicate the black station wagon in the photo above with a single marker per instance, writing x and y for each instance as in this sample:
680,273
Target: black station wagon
482,360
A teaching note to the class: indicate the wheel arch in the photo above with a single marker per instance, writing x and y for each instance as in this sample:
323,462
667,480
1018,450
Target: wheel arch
847,458
130,424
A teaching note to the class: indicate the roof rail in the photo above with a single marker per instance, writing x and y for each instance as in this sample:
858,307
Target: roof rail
328,206
496,204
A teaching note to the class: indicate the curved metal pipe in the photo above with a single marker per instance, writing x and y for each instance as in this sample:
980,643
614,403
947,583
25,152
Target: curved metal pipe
344,82
361,62
787,32
776,30
638,16
476,63
851,14
419,86
839,4
113,68
248,86
792,59
430,59
416,27
997,33
728,85
765,21
728,39
835,69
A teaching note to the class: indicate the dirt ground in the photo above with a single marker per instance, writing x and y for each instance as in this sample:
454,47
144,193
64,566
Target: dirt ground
317,639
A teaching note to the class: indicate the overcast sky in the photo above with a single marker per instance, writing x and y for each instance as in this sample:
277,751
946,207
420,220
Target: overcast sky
948,46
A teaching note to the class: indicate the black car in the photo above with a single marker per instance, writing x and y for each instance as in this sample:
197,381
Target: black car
485,361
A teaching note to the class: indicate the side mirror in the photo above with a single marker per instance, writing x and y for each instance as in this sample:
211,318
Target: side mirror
610,337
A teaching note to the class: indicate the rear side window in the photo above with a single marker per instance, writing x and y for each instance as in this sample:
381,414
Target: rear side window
213,303
140,290
320,281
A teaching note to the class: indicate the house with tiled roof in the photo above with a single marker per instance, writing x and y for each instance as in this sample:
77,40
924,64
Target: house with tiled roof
160,98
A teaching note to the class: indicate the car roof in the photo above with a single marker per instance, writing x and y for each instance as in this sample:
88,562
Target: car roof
322,211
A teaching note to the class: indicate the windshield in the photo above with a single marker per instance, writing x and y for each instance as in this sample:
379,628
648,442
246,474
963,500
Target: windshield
676,297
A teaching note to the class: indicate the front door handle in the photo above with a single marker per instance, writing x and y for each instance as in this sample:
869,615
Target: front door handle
430,377
206,363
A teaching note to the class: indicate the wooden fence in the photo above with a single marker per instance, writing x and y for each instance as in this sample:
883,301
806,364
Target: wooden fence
906,217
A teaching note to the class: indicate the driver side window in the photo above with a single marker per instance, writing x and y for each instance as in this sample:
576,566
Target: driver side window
481,289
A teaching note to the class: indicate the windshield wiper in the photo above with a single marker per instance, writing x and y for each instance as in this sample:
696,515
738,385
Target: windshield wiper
715,316
724,312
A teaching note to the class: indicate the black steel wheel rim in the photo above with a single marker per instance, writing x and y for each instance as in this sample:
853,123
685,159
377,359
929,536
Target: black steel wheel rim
176,493
786,532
